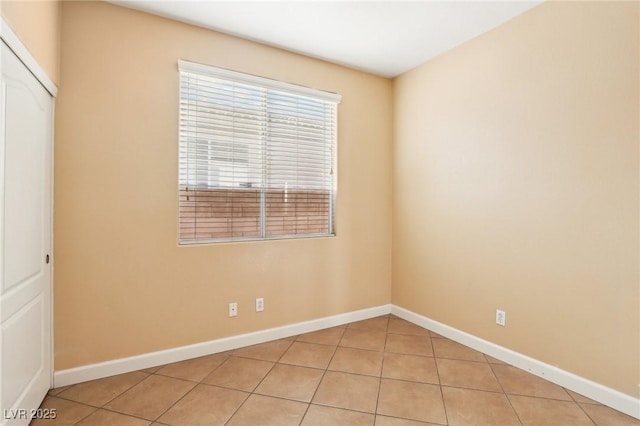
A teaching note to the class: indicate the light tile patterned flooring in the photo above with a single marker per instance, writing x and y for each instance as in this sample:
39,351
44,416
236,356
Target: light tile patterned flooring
383,371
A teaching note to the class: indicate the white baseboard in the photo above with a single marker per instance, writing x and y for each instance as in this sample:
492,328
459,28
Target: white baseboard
607,396
588,388
138,362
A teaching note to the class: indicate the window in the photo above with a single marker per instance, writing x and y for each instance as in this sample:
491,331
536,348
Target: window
257,157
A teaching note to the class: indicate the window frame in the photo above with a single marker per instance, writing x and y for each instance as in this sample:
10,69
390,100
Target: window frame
261,83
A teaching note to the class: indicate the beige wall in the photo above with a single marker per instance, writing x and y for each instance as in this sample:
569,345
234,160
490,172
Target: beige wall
516,187
122,285
37,24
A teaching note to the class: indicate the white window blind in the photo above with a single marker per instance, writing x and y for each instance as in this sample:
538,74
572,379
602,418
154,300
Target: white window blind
257,157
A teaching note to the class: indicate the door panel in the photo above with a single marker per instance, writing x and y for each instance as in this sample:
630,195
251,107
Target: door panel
25,240
23,359
23,188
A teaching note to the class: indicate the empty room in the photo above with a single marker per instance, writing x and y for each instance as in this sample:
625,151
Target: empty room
379,213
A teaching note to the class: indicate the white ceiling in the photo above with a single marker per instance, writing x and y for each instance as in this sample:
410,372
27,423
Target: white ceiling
386,38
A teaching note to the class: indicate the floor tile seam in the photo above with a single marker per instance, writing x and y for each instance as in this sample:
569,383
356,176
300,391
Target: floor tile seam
341,408
364,349
157,372
266,374
223,388
276,397
306,410
176,402
123,414
386,327
299,366
315,393
433,352
381,372
534,396
355,374
475,389
420,383
411,381
246,357
323,376
414,354
182,378
460,359
81,403
227,387
504,393
444,405
121,393
580,402
256,392
69,388
290,364
453,385
570,401
73,400
335,348
594,423
212,371
78,421
239,406
407,418
405,354
436,363
584,411
413,419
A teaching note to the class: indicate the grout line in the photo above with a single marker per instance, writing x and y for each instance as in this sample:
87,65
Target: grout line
504,393
76,402
444,405
124,414
583,410
101,406
126,390
252,392
384,347
545,398
323,374
179,399
170,377
239,406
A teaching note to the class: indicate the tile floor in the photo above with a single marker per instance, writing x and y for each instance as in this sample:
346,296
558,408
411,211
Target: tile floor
383,371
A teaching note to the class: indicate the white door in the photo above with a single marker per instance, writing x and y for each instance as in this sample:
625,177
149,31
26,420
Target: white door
25,240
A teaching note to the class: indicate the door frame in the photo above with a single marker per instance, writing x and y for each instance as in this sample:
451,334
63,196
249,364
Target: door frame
11,39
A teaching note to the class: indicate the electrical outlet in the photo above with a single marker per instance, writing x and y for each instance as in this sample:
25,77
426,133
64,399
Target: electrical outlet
259,304
501,317
233,309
